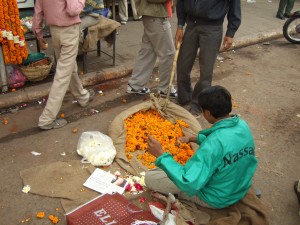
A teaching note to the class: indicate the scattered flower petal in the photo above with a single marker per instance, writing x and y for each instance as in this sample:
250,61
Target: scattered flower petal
35,153
138,187
117,173
40,215
128,187
142,199
26,189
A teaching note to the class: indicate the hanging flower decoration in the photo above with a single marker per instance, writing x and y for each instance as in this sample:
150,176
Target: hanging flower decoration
144,123
11,33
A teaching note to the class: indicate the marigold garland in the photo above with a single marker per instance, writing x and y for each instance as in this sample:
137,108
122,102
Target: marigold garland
141,124
11,33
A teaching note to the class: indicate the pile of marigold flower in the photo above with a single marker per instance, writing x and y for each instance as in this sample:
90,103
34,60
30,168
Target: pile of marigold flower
144,123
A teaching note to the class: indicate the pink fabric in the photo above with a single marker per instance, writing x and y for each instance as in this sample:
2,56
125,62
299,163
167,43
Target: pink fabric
169,7
60,13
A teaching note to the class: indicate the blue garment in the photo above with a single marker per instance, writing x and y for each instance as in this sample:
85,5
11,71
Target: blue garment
93,6
221,170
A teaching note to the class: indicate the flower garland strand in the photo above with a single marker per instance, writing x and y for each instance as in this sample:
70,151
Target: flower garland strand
141,124
11,33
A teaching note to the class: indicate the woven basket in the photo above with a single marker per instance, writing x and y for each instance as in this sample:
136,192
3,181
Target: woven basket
37,73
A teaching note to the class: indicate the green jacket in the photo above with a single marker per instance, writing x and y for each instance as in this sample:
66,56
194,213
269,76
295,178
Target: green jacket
221,170
155,8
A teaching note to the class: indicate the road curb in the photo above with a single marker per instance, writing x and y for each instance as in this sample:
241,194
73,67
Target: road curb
34,93
256,38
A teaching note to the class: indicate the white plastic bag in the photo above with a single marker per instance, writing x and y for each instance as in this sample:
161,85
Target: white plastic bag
96,148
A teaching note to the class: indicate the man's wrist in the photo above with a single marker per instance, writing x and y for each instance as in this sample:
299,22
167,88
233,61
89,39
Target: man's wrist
180,27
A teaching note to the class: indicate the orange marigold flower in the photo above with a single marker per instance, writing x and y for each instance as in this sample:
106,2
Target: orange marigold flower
54,219
40,215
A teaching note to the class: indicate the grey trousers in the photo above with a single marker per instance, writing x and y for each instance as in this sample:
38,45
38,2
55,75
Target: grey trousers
65,44
157,42
157,180
208,39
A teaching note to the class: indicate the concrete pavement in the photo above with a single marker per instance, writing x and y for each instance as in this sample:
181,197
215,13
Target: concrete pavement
258,25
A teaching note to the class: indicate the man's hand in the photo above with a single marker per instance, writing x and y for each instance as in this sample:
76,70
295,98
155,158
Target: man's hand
42,44
178,37
183,139
155,147
227,42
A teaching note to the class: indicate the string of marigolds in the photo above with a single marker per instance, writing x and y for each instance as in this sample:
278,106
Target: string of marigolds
11,33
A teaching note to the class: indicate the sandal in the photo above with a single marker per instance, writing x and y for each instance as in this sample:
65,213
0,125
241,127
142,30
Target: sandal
58,123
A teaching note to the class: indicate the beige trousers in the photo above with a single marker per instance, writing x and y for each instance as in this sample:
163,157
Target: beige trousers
123,10
157,180
65,44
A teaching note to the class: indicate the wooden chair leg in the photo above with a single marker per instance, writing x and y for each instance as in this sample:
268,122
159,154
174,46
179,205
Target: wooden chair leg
114,46
98,48
84,62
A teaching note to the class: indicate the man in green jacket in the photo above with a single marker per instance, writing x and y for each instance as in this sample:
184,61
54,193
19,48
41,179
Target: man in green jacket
220,172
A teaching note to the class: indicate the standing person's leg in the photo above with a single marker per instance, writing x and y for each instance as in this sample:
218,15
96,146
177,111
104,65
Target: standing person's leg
76,88
82,95
144,63
123,11
210,39
185,62
134,12
281,9
65,43
289,8
160,35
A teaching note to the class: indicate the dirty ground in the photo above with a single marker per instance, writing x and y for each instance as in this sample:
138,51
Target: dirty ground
265,84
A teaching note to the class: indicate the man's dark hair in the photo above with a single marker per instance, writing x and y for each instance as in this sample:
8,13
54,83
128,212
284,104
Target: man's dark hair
216,99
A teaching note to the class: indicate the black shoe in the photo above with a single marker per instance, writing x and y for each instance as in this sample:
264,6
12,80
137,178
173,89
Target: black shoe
142,91
280,17
173,94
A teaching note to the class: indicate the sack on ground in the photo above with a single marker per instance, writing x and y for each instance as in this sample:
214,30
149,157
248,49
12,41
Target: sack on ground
96,148
171,112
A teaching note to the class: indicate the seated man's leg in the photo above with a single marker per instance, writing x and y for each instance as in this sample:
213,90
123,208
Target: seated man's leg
157,180
86,21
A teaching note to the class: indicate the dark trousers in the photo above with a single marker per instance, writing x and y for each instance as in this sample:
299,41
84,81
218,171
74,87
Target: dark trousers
285,7
208,38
